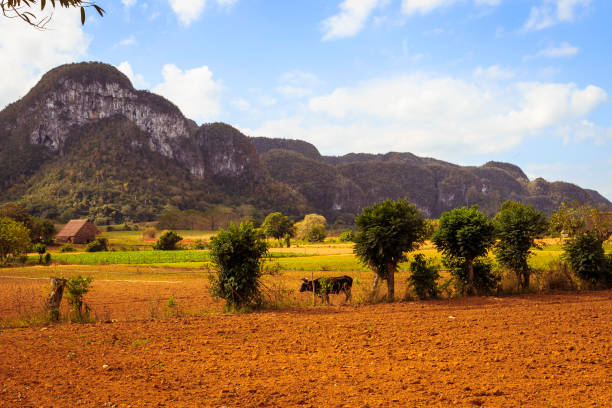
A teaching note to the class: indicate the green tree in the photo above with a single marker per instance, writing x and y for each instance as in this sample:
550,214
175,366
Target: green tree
167,241
276,225
517,226
586,256
423,277
310,222
23,9
575,219
386,231
14,239
464,234
237,255
76,288
97,245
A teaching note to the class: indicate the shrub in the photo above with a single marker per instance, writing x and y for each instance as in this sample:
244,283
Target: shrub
316,234
97,245
47,259
200,244
485,281
67,248
423,277
347,236
309,222
465,234
76,288
556,276
586,257
236,254
40,249
167,241
14,239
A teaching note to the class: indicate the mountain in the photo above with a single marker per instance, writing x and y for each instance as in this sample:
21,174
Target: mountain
84,143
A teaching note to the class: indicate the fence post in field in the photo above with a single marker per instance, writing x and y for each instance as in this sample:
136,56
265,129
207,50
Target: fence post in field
53,303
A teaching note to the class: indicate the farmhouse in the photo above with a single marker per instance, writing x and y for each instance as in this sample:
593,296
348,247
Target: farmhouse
77,232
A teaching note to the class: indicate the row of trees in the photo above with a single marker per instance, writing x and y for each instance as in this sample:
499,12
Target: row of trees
389,230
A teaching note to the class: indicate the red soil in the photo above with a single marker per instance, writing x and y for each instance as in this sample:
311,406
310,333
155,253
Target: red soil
532,351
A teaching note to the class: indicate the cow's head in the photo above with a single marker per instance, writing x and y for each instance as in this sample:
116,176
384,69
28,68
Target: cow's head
306,285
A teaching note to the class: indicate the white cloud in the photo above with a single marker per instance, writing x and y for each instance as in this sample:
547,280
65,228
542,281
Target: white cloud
137,80
563,50
553,12
131,40
351,18
128,3
427,6
297,84
194,91
27,53
241,104
586,130
188,11
439,116
494,72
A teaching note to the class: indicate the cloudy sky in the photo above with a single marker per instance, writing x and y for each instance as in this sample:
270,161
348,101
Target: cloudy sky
468,81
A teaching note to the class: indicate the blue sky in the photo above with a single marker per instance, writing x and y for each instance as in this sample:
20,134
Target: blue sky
466,81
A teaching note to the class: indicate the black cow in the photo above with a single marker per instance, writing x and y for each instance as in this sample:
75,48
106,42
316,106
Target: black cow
336,285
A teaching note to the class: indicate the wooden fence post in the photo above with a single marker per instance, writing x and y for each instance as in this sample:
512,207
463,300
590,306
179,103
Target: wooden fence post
53,303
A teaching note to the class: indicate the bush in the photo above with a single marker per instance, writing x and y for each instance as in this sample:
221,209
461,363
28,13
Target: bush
485,281
304,227
97,245
67,248
76,288
40,249
586,257
167,241
316,234
423,277
556,276
347,236
236,254
14,240
200,244
47,259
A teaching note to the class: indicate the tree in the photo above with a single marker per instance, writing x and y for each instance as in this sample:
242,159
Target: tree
386,231
464,234
276,225
517,226
167,241
76,288
236,254
22,9
311,221
41,230
14,239
588,229
575,219
586,256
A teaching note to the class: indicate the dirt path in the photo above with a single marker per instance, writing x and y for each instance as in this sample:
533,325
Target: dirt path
532,351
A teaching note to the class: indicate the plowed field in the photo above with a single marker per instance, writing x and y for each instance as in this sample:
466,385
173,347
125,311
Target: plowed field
531,351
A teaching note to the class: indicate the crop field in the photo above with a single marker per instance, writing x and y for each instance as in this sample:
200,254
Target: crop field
157,337
532,350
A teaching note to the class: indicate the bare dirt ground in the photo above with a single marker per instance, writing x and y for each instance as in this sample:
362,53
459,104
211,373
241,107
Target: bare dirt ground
530,351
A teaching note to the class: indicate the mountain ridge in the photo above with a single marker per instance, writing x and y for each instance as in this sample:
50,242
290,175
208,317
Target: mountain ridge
84,142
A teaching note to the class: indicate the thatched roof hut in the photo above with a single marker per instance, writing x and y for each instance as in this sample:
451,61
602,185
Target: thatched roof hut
77,232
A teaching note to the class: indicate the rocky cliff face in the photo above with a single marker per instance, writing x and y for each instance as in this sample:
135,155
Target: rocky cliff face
83,138
75,95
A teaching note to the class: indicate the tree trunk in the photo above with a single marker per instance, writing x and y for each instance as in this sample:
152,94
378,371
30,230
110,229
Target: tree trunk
57,291
470,265
390,282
